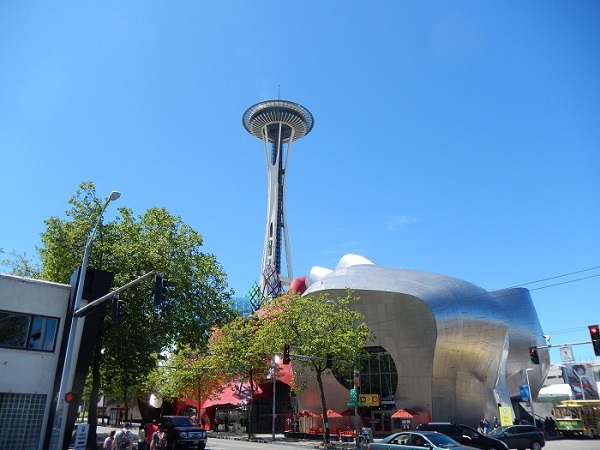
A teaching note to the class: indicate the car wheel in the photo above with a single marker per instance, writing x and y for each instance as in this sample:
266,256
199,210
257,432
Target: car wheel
535,445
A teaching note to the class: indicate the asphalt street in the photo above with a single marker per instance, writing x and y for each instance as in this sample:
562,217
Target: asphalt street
224,441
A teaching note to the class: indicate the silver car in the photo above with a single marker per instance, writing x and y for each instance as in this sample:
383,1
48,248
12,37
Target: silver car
416,440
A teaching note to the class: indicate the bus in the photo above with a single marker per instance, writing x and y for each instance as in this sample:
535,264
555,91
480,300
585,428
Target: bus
577,417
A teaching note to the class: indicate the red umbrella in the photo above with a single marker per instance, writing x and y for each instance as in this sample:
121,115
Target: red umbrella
402,414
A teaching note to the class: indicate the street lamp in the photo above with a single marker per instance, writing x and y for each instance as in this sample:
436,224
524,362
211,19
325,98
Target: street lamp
66,375
530,395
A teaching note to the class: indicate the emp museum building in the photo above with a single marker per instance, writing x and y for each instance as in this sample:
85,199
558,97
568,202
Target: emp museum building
444,350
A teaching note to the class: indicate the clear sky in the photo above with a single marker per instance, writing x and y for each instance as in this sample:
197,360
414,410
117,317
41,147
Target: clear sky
454,137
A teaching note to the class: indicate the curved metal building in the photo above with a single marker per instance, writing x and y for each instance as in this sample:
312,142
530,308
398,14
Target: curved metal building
459,350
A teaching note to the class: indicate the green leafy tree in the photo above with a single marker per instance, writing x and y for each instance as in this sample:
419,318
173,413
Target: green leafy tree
317,326
241,354
20,265
187,373
130,246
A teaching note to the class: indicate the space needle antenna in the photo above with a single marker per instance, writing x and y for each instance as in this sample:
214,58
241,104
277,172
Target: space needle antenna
277,123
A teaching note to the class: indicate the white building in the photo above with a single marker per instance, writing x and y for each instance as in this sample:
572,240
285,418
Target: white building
32,316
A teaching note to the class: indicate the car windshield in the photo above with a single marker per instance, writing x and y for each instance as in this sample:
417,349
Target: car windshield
497,431
182,422
441,440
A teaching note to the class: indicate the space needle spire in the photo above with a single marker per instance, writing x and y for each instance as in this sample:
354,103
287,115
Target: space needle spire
277,123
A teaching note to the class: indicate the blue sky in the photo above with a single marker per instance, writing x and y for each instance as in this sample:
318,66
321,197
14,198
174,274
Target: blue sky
460,138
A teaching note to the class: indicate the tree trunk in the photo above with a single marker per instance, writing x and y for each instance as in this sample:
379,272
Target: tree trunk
250,405
323,407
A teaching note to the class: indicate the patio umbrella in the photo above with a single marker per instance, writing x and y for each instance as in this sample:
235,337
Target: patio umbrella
402,414
333,414
304,415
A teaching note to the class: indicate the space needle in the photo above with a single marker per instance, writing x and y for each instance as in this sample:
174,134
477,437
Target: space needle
277,123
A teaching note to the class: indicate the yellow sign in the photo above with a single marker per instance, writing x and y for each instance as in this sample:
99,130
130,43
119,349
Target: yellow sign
369,399
506,415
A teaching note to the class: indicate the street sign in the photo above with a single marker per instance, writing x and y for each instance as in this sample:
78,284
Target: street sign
525,395
81,436
369,399
566,353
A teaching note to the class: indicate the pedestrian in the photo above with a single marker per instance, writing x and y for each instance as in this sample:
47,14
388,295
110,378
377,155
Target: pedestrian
216,424
496,423
159,439
123,438
150,430
109,440
142,436
486,426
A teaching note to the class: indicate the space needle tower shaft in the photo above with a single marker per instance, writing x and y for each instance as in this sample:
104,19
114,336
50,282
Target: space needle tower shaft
277,123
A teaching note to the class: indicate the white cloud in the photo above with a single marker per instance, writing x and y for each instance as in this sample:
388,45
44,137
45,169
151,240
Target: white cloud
397,222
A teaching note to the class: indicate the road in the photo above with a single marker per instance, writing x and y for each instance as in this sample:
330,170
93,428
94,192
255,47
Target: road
214,443
225,444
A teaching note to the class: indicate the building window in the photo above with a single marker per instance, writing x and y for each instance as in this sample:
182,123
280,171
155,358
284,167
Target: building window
378,374
21,419
27,331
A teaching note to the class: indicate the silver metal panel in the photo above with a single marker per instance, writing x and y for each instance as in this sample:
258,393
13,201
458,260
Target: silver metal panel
459,349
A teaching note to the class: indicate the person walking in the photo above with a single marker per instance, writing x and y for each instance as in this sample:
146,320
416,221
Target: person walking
123,439
159,440
486,426
108,442
142,437
150,430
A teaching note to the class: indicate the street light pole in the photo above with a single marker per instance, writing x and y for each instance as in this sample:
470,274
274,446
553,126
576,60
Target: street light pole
66,376
274,405
530,395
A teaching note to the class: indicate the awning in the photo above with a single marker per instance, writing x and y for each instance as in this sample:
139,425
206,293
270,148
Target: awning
233,396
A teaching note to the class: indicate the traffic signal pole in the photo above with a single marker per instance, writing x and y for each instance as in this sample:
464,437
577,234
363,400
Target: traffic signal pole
90,306
79,312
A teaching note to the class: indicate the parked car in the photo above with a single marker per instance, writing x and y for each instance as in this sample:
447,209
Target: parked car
520,436
416,440
464,434
183,432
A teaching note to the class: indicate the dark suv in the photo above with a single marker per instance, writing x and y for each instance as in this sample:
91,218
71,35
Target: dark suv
183,432
464,434
520,436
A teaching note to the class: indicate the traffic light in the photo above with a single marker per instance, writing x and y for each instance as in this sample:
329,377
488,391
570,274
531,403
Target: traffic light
70,397
329,361
160,290
595,335
533,355
115,312
286,354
